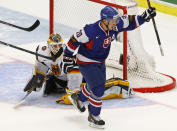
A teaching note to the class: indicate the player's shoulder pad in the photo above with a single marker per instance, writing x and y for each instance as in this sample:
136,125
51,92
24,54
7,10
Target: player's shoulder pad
43,50
87,32
81,36
91,30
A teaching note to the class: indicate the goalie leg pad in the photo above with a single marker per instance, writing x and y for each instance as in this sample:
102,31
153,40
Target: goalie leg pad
117,88
54,85
114,88
64,99
116,81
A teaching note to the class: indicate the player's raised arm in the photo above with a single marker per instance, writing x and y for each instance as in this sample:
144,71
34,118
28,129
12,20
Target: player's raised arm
131,22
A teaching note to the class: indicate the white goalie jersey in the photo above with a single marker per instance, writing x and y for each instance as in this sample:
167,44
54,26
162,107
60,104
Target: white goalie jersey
45,66
48,66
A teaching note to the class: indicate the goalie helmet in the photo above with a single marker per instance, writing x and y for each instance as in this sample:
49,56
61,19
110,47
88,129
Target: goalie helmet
108,13
55,42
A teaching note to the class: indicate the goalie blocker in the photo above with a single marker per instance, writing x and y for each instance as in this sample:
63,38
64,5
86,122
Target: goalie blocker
114,88
35,83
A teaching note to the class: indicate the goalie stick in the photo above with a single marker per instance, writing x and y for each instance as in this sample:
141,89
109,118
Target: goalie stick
155,28
31,28
22,100
54,57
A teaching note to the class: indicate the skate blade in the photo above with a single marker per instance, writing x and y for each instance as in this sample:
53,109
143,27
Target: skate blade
96,126
74,104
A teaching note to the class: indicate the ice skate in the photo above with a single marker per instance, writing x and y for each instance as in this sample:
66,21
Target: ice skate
76,102
96,121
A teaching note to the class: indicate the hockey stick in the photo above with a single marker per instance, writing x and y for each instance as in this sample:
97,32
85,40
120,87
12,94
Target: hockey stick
155,28
31,28
54,57
22,100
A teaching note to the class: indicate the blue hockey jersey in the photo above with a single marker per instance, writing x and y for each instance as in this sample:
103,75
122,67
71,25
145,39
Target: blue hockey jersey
94,43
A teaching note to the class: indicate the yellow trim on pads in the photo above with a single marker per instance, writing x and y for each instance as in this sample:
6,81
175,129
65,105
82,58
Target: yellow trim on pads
159,7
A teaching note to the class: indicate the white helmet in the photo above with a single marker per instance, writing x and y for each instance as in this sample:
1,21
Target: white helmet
55,42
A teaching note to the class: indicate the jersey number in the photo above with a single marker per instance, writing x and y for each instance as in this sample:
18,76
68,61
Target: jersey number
79,33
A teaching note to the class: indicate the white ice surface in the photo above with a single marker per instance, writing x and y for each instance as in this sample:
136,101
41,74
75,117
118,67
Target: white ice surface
160,116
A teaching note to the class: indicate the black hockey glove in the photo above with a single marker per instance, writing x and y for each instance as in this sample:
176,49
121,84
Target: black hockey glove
35,83
68,63
148,14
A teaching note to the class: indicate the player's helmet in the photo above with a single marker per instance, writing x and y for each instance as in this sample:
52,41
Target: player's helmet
108,13
55,42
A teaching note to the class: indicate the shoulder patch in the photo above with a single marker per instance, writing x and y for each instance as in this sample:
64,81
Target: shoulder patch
44,48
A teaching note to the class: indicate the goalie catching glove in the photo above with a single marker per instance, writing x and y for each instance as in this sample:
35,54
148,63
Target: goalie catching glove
35,83
149,14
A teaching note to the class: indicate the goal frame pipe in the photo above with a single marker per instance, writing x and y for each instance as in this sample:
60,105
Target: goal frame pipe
51,16
124,8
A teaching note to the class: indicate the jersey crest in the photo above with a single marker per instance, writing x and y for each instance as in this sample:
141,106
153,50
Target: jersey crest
56,70
107,42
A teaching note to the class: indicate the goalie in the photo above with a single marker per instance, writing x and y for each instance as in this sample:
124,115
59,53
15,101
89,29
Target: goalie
49,74
57,77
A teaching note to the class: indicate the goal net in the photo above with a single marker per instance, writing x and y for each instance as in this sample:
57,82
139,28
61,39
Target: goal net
137,66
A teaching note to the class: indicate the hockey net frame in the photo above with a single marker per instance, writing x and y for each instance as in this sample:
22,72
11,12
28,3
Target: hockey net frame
124,9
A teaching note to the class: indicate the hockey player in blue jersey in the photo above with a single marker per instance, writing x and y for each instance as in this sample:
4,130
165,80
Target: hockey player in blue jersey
93,43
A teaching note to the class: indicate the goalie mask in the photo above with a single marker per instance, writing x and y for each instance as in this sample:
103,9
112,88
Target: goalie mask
55,42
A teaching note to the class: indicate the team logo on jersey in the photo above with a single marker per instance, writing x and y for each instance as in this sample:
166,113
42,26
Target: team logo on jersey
56,70
107,42
44,48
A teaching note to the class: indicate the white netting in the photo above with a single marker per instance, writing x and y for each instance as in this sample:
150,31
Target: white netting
141,65
75,13
71,15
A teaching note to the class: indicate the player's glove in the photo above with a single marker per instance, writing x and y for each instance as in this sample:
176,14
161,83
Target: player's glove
35,83
149,14
68,63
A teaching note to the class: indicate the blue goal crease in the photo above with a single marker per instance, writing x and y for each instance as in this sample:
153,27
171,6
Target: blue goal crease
14,76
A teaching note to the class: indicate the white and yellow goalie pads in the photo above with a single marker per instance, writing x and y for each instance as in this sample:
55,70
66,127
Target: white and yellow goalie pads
114,88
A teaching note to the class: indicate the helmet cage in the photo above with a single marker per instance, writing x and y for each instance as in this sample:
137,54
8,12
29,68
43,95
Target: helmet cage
55,42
